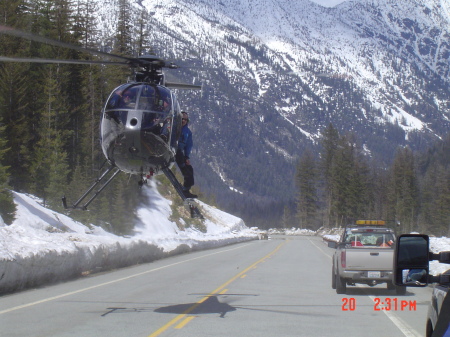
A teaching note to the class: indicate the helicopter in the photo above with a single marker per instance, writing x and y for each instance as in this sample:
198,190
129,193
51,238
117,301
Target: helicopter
140,122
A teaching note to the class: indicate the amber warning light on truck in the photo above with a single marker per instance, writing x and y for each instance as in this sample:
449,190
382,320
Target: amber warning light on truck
371,222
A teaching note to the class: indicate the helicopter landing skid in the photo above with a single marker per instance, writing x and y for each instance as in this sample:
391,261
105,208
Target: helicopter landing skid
98,181
188,202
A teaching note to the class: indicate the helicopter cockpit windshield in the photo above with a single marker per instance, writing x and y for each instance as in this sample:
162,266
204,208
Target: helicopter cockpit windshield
141,105
138,120
138,96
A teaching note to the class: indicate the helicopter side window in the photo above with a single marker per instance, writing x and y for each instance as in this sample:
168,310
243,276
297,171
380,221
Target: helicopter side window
114,100
163,100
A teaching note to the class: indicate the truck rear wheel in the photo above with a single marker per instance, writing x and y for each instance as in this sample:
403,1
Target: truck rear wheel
341,285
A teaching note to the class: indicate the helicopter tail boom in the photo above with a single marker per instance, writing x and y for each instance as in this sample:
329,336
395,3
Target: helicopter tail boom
174,85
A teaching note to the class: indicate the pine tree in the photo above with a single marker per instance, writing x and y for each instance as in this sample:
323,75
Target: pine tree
124,36
350,182
14,93
54,105
328,150
435,200
142,46
49,166
7,205
92,90
441,213
403,191
306,181
340,183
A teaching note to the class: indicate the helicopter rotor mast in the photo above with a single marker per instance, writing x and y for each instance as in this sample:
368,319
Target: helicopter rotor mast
152,69
153,73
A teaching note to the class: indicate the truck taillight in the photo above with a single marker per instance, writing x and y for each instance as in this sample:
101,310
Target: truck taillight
343,262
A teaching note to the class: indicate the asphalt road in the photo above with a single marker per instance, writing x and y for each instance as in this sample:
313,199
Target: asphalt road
279,287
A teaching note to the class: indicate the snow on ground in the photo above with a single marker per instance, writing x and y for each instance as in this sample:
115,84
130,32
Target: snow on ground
43,246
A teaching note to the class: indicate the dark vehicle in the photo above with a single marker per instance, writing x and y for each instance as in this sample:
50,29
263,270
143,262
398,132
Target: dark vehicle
411,268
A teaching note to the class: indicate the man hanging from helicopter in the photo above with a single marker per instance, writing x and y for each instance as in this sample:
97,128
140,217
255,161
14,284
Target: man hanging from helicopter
185,144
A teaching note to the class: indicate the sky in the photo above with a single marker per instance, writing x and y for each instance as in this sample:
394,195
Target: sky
41,241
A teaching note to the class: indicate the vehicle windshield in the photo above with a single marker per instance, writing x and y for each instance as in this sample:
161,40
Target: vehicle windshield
139,96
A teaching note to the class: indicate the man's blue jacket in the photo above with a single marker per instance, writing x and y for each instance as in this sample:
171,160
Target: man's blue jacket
185,142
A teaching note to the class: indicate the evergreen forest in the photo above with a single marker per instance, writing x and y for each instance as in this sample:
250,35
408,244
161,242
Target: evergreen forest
50,113
343,184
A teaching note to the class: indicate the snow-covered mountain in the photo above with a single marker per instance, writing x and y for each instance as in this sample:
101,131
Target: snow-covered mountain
276,73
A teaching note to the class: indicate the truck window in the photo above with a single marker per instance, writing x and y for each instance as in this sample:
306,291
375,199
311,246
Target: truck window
371,239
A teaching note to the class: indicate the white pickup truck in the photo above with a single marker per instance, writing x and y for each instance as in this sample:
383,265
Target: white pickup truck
364,255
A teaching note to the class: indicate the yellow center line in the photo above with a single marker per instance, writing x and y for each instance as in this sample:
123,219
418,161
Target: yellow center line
184,322
214,292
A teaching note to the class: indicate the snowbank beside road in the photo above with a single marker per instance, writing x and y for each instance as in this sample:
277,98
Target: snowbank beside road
43,246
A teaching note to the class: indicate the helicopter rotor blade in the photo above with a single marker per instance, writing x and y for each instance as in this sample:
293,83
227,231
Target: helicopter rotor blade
36,60
174,85
17,33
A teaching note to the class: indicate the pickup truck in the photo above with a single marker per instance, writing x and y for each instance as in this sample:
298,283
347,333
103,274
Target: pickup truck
364,255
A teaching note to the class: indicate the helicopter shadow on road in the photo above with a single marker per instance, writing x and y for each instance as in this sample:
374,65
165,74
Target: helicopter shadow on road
211,305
